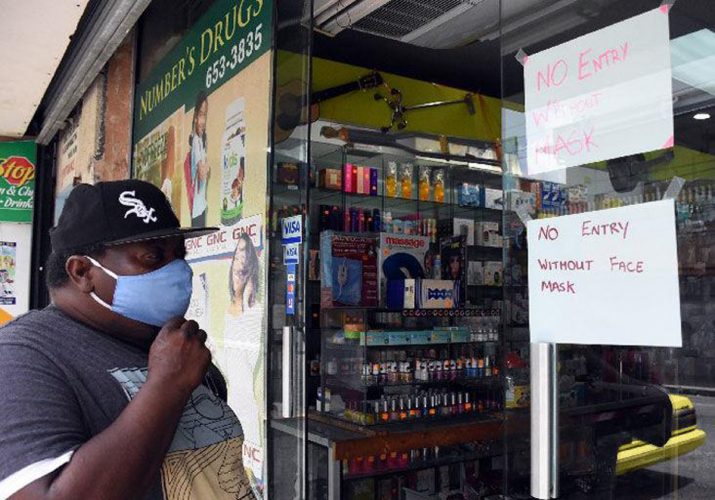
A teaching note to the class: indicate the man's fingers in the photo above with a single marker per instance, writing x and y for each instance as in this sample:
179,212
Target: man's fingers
190,328
201,335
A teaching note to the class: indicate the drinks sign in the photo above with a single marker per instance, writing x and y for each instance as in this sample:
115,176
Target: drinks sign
606,277
603,95
17,181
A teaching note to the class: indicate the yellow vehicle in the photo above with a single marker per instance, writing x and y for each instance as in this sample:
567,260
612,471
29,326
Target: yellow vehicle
685,437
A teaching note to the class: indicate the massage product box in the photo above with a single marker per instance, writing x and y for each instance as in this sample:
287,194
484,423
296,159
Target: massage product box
348,270
402,257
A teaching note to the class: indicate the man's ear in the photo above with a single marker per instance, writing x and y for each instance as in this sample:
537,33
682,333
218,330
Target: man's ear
79,270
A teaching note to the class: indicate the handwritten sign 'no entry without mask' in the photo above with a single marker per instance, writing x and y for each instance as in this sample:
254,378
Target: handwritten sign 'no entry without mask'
606,277
603,95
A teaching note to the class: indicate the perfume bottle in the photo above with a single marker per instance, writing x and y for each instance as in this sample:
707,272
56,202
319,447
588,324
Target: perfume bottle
406,180
391,180
439,185
424,184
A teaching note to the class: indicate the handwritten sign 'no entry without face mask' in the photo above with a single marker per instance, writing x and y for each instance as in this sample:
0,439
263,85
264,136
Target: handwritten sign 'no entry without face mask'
607,277
603,95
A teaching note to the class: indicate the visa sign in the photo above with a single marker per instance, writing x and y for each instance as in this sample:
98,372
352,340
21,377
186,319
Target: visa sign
292,230
290,253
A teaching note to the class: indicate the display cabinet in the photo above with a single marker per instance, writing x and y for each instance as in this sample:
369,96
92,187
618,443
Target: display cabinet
405,298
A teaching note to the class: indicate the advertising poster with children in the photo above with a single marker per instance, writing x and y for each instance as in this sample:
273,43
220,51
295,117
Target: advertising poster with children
201,135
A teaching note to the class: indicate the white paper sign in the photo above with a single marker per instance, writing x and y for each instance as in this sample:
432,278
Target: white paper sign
607,277
603,95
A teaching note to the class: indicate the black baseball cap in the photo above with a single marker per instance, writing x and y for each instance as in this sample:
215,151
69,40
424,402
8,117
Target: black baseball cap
117,212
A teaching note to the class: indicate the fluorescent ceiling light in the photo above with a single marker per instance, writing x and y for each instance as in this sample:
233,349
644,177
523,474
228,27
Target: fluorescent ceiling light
701,116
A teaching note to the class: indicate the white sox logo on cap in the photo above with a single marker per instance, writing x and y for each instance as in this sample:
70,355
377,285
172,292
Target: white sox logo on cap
129,199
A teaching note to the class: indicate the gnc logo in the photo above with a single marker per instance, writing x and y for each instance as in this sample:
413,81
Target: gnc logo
17,170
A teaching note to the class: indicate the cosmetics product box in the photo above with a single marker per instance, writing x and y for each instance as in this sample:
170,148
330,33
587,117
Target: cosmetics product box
453,261
494,198
524,199
348,178
488,234
437,294
470,195
440,337
493,273
360,189
348,266
400,294
330,178
287,173
553,196
374,174
475,273
464,227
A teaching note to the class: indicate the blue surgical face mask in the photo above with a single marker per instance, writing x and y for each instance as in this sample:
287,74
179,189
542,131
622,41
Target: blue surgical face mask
152,298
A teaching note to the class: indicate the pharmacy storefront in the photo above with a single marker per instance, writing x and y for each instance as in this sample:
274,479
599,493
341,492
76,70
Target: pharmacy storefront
465,246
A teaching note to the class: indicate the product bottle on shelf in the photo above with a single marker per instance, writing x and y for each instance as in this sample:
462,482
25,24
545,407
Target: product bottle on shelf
406,181
391,180
439,185
424,186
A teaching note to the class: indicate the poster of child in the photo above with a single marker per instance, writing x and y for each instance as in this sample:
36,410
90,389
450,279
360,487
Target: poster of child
196,166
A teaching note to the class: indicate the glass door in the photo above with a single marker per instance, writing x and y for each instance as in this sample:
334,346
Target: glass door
287,461
609,172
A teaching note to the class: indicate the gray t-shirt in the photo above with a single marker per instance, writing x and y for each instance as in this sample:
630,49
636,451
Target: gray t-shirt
64,382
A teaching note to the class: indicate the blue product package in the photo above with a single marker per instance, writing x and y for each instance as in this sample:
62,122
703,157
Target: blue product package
400,294
346,281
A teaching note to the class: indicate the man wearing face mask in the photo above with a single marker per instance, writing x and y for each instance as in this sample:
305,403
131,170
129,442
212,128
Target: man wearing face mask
109,392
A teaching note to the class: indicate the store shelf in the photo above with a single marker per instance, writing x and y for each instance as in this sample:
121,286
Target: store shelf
402,437
353,381
486,449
